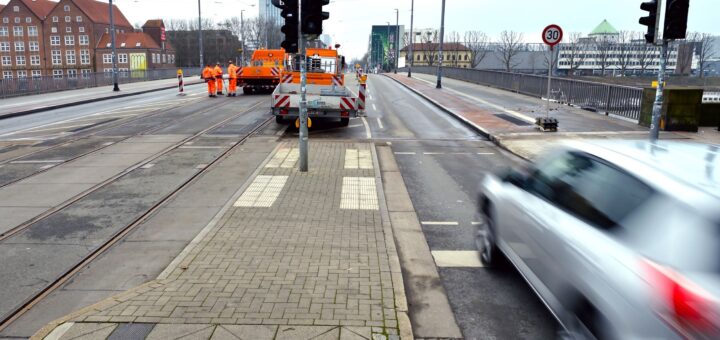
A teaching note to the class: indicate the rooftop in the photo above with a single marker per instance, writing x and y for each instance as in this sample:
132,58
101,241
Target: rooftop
41,8
434,47
605,28
98,12
130,40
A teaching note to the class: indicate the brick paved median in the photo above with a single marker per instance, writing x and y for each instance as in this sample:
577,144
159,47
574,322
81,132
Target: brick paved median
297,256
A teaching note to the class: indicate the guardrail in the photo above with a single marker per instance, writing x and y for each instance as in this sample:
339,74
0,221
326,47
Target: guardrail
623,101
36,85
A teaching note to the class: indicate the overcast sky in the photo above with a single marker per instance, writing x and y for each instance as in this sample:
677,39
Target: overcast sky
350,20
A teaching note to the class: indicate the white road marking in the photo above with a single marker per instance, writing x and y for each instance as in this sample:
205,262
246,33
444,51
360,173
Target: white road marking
359,193
47,166
201,147
380,123
476,223
358,159
462,153
147,166
38,161
201,166
370,97
405,153
374,107
355,126
486,153
368,134
433,153
262,192
438,223
59,331
457,259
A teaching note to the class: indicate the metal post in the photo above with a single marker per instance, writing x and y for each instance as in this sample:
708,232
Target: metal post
397,39
412,38
242,36
200,36
388,45
303,95
657,107
442,39
547,106
116,88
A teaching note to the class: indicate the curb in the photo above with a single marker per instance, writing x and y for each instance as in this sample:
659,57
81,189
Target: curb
86,101
493,138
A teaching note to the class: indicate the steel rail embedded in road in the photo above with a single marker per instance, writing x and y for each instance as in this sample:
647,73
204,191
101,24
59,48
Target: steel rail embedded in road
35,299
102,147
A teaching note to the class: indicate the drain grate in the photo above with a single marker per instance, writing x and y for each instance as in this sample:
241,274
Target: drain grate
512,119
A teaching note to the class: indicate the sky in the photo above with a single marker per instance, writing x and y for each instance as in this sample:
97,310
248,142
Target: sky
350,20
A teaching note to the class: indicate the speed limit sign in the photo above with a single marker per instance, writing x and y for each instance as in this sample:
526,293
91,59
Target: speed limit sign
552,35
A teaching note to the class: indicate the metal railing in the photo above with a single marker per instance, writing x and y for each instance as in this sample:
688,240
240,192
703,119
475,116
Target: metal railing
35,85
617,100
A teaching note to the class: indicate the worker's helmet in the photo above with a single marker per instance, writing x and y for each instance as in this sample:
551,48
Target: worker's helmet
230,61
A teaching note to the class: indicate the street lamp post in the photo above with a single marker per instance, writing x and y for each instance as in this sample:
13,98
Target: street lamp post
116,87
242,37
200,36
397,38
388,42
412,38
440,58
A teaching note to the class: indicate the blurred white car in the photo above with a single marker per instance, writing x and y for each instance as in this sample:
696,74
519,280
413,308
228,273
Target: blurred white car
619,239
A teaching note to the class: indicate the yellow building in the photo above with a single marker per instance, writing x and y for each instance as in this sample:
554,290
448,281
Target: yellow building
427,54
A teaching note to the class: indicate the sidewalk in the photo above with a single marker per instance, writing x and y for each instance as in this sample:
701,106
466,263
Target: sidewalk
291,256
23,105
508,119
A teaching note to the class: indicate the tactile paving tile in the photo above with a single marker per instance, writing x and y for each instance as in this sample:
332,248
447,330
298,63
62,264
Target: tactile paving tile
262,192
359,193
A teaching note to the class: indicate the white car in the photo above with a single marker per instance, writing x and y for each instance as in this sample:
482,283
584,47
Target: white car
619,239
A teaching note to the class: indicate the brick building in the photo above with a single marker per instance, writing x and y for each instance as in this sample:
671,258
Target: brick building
21,37
68,38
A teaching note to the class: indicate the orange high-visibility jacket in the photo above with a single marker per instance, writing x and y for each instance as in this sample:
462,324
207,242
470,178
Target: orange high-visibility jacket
232,71
218,72
208,73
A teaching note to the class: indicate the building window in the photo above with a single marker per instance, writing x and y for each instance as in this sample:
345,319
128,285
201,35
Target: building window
4,31
6,20
67,18
16,9
7,75
20,60
22,74
19,46
164,58
6,60
122,58
56,57
69,40
36,73
68,29
34,60
72,74
84,40
86,72
70,57
28,20
78,19
18,31
66,8
107,58
85,57
57,74
53,30
34,46
4,46
81,29
54,40
55,19
17,20
32,31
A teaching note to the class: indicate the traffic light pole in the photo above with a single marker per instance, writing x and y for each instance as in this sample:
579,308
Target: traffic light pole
657,107
303,96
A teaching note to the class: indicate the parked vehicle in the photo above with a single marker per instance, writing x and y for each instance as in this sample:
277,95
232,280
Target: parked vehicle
263,73
619,239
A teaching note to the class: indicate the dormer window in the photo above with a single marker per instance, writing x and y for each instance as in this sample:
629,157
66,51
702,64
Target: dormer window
138,44
122,45
16,9
66,8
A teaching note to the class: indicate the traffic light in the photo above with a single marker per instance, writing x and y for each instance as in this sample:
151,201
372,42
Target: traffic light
651,21
313,16
290,29
676,17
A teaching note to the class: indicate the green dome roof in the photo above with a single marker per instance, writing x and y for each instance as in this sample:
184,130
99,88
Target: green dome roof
604,28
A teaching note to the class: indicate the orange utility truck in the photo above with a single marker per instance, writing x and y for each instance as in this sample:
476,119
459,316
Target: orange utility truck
263,73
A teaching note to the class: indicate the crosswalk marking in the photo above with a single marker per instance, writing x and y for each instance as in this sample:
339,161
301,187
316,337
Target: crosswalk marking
457,259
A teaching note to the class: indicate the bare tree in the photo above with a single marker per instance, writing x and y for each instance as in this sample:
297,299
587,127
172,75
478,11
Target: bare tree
646,53
477,42
452,48
429,48
575,51
703,49
603,49
625,51
510,45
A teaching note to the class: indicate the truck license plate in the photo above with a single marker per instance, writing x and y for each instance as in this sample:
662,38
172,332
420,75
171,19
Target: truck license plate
316,103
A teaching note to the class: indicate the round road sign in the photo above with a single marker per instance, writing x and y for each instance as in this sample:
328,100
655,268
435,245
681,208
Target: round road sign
552,35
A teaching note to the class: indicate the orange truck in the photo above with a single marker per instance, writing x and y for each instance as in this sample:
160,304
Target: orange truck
263,73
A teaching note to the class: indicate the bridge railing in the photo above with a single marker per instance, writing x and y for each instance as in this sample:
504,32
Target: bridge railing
36,85
623,101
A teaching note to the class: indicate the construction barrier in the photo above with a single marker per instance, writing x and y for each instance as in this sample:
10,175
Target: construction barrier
362,92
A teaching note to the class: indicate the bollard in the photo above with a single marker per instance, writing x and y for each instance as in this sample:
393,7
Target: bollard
181,83
362,93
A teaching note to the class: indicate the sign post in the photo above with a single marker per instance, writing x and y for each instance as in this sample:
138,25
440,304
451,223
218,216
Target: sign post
552,35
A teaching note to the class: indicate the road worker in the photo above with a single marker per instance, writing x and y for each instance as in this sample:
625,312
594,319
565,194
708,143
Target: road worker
232,79
218,71
208,75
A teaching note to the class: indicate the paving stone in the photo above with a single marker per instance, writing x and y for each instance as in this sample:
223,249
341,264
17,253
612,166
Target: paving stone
89,331
185,332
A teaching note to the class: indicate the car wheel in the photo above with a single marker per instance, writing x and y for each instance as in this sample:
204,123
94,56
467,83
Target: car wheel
344,121
279,119
486,241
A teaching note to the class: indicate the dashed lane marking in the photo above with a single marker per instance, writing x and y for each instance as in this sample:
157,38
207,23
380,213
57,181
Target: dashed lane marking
405,153
380,124
457,259
262,192
439,223
359,193
433,153
476,223
374,107
486,153
147,166
355,126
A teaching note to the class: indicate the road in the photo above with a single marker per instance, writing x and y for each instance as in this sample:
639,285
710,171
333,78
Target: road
71,179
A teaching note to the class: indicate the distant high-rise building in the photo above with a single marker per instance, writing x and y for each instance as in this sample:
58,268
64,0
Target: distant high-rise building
270,12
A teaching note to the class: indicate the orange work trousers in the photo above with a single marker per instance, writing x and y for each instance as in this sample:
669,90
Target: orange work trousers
211,87
232,85
219,85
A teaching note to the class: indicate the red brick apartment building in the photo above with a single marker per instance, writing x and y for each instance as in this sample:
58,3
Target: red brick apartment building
68,38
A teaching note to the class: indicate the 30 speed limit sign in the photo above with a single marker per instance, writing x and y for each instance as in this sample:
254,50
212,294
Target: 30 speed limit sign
552,35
